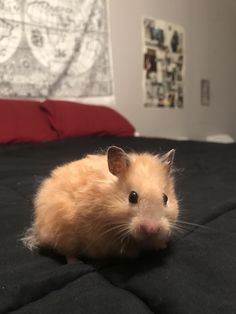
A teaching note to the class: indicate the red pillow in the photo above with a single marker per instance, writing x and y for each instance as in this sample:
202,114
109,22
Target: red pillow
74,119
23,121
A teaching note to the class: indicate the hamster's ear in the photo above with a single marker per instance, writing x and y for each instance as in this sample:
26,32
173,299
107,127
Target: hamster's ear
118,161
168,159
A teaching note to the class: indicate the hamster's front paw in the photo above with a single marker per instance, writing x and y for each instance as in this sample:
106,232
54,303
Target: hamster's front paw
130,252
160,245
71,260
163,245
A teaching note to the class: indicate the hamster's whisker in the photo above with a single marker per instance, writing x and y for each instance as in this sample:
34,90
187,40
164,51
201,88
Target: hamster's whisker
123,240
122,230
177,229
187,224
190,224
177,226
118,228
122,234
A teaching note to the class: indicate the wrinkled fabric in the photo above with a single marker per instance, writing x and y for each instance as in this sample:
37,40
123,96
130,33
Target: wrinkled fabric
195,274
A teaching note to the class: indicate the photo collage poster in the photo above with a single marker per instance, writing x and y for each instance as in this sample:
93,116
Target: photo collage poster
163,64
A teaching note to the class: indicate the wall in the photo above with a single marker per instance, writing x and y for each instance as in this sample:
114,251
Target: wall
210,51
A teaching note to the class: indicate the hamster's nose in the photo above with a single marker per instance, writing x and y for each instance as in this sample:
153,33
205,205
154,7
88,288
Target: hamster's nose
149,228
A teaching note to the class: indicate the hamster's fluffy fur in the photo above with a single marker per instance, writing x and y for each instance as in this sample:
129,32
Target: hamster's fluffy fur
83,207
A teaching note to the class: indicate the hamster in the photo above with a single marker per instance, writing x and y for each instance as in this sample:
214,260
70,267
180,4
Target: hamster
106,205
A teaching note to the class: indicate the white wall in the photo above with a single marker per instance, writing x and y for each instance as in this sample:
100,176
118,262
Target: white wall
210,27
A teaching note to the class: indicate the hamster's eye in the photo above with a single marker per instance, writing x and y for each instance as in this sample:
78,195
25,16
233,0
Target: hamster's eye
133,197
165,198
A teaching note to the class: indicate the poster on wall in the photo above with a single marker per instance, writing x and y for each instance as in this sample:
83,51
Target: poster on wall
163,64
55,49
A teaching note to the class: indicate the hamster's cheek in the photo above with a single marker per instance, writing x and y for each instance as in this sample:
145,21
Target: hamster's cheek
171,212
134,228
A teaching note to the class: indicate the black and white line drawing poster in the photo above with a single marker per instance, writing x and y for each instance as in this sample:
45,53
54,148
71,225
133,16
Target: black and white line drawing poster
55,49
163,64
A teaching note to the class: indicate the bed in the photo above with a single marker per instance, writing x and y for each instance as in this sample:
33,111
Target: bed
195,274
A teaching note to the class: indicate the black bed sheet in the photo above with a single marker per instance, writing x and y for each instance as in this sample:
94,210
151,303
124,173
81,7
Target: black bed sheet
195,274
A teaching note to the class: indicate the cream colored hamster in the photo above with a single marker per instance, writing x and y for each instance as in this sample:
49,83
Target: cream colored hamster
113,204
